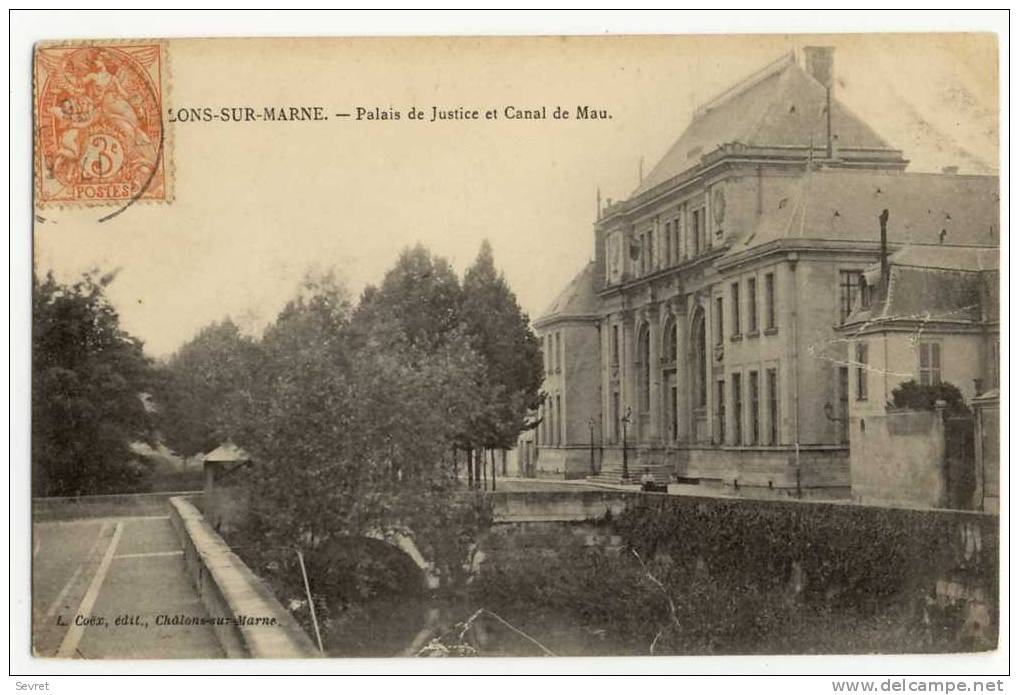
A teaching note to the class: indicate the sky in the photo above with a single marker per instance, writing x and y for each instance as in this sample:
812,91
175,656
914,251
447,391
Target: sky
257,206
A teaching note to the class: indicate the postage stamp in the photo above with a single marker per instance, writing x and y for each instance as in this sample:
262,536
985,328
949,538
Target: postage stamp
99,133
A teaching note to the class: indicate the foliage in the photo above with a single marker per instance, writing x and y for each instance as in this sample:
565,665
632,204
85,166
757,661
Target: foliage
913,396
352,416
502,335
197,384
745,576
89,380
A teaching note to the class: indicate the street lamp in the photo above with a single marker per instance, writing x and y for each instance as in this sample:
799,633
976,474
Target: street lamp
590,424
626,421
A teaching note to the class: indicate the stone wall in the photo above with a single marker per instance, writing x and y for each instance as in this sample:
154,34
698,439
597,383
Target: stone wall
898,458
922,580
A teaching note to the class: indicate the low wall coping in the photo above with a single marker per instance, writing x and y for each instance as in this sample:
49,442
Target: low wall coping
241,590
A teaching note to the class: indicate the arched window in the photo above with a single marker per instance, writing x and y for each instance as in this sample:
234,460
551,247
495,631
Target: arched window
670,347
644,368
700,361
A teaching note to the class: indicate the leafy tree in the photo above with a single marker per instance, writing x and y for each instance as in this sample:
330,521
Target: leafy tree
914,396
88,381
501,333
351,415
197,384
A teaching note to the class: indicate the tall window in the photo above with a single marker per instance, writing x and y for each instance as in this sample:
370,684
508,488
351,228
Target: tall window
720,409
849,288
559,420
541,425
670,346
700,343
695,232
615,345
558,353
615,416
677,240
644,368
930,363
772,377
752,305
755,408
668,242
861,371
769,300
719,322
735,309
737,409
702,230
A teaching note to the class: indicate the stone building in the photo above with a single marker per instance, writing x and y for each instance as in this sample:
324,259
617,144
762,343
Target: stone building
703,340
927,314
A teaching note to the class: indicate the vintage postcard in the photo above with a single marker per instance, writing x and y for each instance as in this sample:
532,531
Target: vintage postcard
516,346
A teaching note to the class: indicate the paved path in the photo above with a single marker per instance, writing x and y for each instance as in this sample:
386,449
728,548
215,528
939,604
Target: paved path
90,574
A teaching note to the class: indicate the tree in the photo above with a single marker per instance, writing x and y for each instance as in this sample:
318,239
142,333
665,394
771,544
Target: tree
500,332
88,381
197,384
914,396
351,415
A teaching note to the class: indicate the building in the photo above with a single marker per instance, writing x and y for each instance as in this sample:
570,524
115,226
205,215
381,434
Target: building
927,314
703,340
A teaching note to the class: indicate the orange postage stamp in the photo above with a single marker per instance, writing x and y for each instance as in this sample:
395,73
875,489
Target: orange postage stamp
99,129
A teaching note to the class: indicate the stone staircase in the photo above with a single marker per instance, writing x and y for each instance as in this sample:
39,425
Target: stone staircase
612,472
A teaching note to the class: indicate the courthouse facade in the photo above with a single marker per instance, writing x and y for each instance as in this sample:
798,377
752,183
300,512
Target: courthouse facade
703,341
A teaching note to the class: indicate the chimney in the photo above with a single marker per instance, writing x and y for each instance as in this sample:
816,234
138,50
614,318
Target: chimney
820,64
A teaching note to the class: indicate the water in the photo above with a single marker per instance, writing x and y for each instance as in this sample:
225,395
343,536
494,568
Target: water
427,626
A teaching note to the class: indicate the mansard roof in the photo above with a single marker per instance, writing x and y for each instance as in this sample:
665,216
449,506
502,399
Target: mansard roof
577,300
779,106
945,284
844,205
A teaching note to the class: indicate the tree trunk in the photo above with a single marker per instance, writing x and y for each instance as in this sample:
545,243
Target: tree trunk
477,469
493,469
470,468
484,470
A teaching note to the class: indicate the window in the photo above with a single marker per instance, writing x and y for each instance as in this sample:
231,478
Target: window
700,341
644,368
752,305
558,353
849,288
719,323
772,385
541,425
735,309
737,409
755,409
695,232
677,240
559,420
668,242
930,363
671,346
702,229
615,416
861,371
615,346
673,413
769,301
720,410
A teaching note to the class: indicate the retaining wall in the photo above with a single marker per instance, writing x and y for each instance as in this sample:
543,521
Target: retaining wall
229,590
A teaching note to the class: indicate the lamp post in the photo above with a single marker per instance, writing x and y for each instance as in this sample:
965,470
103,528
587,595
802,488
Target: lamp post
590,424
626,421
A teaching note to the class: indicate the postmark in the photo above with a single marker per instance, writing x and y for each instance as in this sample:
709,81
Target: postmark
100,139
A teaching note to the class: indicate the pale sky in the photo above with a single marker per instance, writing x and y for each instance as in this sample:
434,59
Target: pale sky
257,205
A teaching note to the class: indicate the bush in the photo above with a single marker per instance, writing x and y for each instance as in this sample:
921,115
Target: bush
910,395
